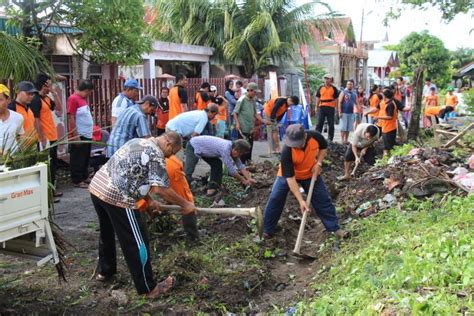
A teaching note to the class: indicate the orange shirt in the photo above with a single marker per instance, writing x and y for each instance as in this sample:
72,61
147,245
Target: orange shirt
28,122
199,102
432,110
373,102
327,96
222,114
451,100
174,169
390,124
432,100
46,120
176,99
304,160
268,108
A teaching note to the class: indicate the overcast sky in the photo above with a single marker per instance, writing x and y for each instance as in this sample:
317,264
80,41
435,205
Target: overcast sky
454,34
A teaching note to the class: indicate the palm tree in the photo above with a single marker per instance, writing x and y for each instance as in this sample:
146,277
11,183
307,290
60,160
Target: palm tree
19,61
254,33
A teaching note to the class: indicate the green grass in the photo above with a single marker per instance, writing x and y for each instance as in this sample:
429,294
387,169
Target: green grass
418,261
397,151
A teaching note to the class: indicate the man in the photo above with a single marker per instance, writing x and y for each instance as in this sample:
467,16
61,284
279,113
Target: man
361,146
326,102
215,151
178,97
302,157
25,91
125,99
179,184
42,107
162,112
428,85
346,103
80,127
274,111
132,123
123,188
402,94
388,120
245,113
192,123
11,124
220,121
451,99
202,99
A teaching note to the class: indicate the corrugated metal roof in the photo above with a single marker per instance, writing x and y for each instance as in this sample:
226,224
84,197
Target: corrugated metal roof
379,58
52,29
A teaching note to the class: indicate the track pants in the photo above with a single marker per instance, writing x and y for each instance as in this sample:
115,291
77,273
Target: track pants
132,234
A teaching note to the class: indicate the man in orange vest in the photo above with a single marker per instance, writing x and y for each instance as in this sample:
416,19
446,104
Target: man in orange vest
301,157
388,120
25,91
274,111
202,99
178,97
326,101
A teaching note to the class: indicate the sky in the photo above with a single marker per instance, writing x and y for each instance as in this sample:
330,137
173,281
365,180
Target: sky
454,34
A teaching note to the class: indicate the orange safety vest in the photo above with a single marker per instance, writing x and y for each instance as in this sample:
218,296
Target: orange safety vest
451,100
303,160
373,102
46,120
28,123
432,110
327,96
199,103
391,124
174,169
175,102
268,108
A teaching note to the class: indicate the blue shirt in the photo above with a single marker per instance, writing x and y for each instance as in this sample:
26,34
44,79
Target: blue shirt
348,101
131,123
188,122
119,104
211,146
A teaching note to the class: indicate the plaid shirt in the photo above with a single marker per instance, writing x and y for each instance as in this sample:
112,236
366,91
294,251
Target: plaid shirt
132,123
130,173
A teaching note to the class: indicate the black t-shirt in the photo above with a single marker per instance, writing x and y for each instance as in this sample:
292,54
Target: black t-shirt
164,104
183,95
287,167
36,104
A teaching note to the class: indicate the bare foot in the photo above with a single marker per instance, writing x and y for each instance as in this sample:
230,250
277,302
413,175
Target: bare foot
162,287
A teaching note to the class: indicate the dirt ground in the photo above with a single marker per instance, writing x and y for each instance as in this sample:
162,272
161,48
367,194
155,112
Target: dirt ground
228,270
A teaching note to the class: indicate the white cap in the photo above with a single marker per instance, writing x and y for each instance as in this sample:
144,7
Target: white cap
213,88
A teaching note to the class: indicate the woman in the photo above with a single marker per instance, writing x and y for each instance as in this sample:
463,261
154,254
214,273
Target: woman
374,100
229,95
359,106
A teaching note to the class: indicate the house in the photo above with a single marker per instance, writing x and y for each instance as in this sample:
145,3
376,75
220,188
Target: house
381,63
467,73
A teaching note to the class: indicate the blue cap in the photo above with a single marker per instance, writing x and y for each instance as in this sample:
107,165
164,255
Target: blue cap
132,83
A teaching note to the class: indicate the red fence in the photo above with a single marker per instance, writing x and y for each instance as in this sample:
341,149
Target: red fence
105,90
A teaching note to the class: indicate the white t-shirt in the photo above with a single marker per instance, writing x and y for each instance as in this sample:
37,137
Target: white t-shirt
358,138
9,130
120,103
188,122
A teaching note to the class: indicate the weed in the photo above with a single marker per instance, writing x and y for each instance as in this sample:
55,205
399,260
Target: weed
397,151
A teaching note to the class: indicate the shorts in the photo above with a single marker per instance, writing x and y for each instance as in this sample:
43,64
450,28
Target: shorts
369,156
347,122
358,117
389,139
221,127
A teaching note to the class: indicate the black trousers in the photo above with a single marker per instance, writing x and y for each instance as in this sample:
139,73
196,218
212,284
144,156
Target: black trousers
132,235
214,162
248,137
97,161
326,113
79,160
369,156
53,162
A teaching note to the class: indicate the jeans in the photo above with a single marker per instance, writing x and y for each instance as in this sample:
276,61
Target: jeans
326,112
214,162
79,155
321,202
53,163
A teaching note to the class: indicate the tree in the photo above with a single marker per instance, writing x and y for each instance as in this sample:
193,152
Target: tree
449,8
106,31
19,61
255,33
423,49
315,76
461,57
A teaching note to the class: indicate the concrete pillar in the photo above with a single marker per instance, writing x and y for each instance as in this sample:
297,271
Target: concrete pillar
205,70
149,68
364,74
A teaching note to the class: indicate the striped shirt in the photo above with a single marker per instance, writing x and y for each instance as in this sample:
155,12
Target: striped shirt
130,173
211,146
131,124
119,104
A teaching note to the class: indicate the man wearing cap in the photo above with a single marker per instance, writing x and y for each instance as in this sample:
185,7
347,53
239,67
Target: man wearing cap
245,113
326,102
451,99
126,98
301,157
132,123
42,107
25,92
192,123
11,123
80,127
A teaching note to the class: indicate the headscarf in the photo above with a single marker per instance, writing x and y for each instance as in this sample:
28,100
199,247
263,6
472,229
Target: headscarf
4,89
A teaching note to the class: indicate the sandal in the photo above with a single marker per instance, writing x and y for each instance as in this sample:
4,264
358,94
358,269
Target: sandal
81,185
164,286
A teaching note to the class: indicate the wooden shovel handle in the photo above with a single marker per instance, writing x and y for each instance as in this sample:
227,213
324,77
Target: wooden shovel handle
299,239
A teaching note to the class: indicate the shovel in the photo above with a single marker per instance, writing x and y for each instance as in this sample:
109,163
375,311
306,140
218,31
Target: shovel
299,239
255,212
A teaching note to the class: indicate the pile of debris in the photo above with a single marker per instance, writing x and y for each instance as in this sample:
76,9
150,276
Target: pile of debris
422,173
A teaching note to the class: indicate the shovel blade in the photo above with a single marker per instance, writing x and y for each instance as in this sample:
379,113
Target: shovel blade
303,256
